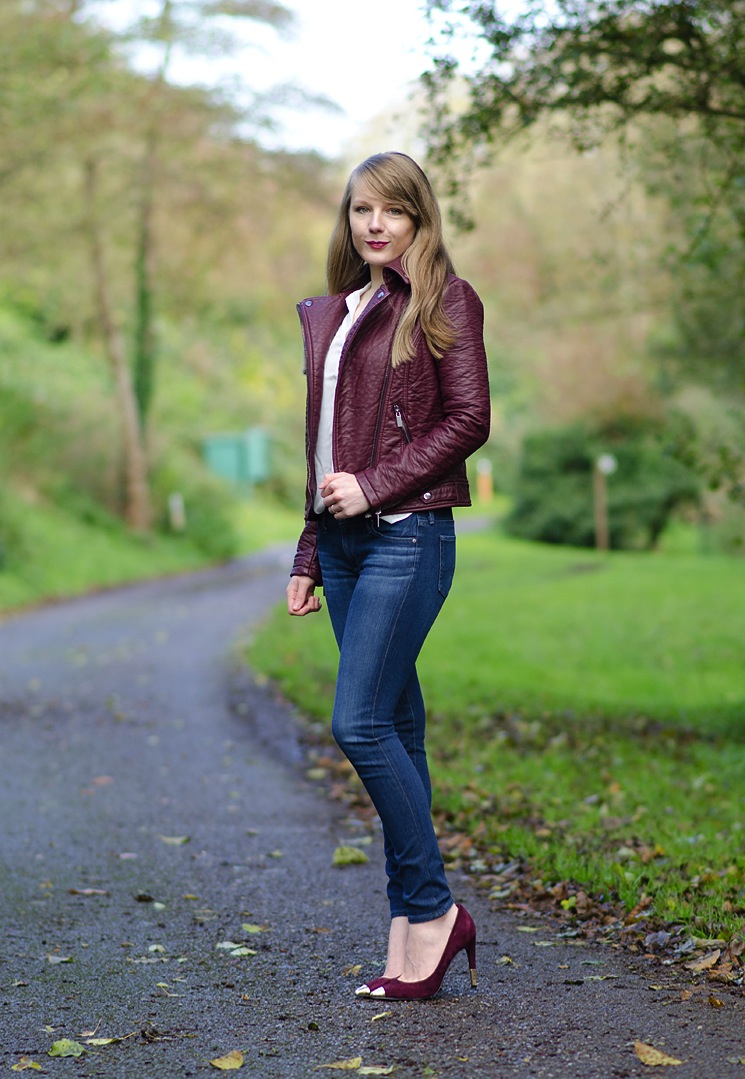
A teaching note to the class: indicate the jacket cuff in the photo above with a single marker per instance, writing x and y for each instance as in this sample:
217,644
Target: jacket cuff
306,562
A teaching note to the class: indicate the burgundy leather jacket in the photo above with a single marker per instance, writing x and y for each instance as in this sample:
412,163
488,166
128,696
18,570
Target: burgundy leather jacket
404,433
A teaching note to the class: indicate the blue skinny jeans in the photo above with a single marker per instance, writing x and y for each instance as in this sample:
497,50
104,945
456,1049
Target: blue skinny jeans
384,586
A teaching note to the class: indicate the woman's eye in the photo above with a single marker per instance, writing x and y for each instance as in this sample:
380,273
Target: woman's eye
361,209
395,210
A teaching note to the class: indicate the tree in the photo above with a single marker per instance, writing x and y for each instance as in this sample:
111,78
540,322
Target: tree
667,75
117,150
678,58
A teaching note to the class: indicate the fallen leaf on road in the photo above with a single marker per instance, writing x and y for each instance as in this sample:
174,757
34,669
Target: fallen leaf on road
56,959
715,1001
380,1015
350,1065
230,1062
87,891
653,1057
354,969
24,1063
705,962
349,856
248,928
377,1069
175,840
66,1048
505,960
102,1041
528,929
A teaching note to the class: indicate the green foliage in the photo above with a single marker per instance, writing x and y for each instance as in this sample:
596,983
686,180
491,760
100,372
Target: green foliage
668,76
553,495
628,57
53,553
584,709
131,208
209,503
12,534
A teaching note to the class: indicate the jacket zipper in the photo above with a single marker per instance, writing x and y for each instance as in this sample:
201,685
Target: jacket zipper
307,370
401,422
379,419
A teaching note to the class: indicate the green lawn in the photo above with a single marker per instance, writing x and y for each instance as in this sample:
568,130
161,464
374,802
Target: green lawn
587,712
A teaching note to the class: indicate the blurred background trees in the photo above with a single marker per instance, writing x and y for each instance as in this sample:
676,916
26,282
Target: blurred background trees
658,82
137,218
152,250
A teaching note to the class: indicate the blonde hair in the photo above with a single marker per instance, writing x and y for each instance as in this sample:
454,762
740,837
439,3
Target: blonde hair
426,262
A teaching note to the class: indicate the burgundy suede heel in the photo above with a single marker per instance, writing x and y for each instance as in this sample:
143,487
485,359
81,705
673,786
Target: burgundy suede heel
462,938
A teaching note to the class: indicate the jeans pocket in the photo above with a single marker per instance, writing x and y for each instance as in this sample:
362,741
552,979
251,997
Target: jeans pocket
447,564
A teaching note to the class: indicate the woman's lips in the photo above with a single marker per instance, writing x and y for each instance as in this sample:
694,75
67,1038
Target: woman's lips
377,245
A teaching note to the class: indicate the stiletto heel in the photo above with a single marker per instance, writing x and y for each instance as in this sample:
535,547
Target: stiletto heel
462,938
471,952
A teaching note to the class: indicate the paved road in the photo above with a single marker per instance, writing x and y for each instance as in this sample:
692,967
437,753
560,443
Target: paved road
128,725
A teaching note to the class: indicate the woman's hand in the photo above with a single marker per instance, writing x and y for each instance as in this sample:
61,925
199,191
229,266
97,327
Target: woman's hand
342,495
300,598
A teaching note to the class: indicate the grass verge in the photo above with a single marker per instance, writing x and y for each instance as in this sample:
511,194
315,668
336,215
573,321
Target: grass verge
587,716
61,555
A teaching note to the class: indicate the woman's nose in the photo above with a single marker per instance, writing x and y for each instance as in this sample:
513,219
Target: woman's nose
376,222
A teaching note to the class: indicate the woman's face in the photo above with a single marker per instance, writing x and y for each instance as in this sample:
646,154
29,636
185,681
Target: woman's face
381,230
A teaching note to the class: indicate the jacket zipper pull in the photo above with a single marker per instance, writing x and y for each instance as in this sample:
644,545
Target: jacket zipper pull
377,518
399,417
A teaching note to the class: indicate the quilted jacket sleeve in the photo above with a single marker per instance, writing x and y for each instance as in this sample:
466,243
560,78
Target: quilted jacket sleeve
306,557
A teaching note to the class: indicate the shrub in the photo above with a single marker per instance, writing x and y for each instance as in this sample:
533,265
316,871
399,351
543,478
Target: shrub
553,500
209,503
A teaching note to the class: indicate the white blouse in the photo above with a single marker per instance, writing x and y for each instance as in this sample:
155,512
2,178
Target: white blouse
323,457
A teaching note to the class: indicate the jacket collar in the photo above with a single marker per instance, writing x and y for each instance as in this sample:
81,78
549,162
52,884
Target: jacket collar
395,269
393,273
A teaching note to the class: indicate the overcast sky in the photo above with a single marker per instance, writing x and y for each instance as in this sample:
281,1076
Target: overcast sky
364,56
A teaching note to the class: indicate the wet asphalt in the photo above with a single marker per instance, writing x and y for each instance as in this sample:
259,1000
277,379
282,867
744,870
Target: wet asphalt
155,802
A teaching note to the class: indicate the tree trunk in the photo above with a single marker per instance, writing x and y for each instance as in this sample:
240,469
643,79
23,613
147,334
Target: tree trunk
137,501
144,358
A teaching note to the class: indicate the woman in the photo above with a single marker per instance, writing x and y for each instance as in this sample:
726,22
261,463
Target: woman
398,397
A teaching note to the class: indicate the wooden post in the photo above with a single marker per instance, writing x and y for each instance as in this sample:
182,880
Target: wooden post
604,466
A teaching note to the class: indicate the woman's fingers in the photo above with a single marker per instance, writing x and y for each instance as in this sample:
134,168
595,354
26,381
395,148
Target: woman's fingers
342,495
300,597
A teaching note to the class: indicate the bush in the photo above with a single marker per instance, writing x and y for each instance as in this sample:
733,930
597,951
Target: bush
12,533
554,488
208,500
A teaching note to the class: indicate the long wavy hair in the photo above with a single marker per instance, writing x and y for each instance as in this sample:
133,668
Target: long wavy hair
397,178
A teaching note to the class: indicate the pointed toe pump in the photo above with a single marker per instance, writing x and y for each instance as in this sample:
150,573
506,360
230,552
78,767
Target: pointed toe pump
462,938
371,988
